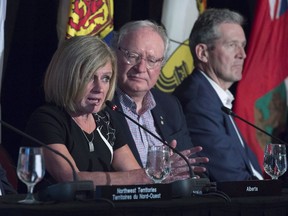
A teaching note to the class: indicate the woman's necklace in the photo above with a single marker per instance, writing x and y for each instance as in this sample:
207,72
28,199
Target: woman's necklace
90,142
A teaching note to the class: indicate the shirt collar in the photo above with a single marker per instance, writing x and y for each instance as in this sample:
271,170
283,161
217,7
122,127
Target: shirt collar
225,96
148,101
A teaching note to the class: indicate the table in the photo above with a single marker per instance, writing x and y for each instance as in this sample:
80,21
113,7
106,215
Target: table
205,205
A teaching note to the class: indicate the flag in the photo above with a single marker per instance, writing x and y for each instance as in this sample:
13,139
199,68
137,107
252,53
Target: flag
261,94
178,18
85,17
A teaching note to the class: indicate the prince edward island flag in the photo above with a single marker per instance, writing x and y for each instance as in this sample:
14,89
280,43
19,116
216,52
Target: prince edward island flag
178,18
261,95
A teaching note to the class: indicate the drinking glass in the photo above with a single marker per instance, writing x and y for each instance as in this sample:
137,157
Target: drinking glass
275,160
158,164
30,170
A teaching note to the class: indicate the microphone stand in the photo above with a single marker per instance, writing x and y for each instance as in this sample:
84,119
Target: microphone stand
63,191
264,187
230,112
180,187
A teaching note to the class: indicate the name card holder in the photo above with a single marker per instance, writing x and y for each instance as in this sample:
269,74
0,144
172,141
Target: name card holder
251,188
135,192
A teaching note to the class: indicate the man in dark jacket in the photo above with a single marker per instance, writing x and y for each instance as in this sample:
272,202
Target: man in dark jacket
140,47
217,43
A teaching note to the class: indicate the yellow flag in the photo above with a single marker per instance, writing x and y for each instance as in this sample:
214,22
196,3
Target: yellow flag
178,17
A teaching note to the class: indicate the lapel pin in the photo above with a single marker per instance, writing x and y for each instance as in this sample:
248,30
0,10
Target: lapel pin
162,122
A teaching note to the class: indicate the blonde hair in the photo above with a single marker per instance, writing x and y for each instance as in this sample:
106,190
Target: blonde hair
72,66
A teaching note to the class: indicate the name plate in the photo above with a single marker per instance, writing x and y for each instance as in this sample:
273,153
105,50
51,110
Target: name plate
134,192
251,188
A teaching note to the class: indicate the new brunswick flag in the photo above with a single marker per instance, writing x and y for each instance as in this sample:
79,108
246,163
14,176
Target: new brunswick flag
178,18
262,92
85,17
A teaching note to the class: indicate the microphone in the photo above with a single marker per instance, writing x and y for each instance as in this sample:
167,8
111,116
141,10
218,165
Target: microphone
115,108
64,191
230,112
181,187
241,188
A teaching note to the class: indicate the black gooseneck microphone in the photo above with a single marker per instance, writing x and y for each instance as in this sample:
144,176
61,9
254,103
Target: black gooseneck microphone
64,191
115,108
181,187
230,112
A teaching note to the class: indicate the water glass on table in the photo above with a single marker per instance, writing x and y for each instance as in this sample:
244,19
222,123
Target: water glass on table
158,166
30,170
275,160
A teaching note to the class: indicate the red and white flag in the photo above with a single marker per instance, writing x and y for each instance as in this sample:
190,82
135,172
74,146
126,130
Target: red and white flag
261,95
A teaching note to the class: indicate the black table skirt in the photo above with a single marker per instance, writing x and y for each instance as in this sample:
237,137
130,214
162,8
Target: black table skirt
200,205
